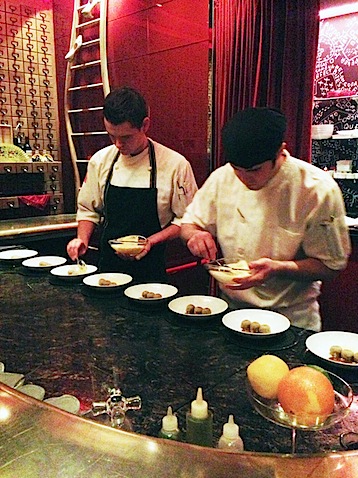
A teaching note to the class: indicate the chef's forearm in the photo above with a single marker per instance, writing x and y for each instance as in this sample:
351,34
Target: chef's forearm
85,230
309,269
167,234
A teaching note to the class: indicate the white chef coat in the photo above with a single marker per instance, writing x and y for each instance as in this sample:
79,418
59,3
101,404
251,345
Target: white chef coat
299,213
175,182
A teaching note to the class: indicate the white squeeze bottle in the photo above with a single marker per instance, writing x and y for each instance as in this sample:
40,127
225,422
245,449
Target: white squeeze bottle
170,429
230,440
199,422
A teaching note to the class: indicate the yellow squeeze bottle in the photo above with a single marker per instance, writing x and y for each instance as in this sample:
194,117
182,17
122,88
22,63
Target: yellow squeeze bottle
199,422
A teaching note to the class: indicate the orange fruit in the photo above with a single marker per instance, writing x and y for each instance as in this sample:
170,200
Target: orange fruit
265,373
308,394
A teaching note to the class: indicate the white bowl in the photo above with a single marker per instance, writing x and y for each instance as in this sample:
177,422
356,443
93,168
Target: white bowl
228,270
31,390
215,304
12,379
278,323
117,280
43,262
17,254
71,272
322,131
128,245
135,292
321,342
69,403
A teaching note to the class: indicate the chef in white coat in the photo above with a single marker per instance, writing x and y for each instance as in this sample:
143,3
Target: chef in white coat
285,216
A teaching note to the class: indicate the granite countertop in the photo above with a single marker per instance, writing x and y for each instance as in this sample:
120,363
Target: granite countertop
68,339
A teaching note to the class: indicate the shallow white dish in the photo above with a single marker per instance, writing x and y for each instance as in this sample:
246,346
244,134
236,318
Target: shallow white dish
134,292
43,262
12,379
116,279
69,403
228,270
63,272
278,323
2,367
321,342
17,254
348,133
31,390
215,304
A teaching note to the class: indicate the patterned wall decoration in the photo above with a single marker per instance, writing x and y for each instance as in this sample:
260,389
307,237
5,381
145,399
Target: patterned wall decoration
336,79
336,99
28,94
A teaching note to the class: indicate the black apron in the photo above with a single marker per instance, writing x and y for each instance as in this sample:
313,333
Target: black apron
130,211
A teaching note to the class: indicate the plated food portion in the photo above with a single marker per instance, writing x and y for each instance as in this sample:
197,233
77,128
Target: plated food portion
43,262
75,271
337,347
198,306
128,245
150,292
228,270
17,254
256,323
108,280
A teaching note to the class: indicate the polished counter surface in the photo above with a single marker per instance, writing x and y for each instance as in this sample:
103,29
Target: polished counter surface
21,228
69,340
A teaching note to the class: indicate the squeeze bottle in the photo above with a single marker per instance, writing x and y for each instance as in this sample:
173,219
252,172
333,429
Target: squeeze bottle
199,422
230,440
170,429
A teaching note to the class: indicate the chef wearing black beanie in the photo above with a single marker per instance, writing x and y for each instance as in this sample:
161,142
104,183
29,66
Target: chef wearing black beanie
253,136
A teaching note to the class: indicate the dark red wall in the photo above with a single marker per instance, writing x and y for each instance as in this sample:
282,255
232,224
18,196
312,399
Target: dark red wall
163,52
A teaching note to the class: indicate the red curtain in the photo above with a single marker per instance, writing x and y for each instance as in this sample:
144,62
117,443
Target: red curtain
264,54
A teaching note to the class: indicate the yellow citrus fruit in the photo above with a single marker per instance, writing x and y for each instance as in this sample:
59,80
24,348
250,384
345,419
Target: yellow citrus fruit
265,373
308,394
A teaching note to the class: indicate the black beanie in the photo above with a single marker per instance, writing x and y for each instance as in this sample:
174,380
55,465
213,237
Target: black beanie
253,136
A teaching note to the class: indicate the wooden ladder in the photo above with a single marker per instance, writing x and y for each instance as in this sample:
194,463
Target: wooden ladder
86,84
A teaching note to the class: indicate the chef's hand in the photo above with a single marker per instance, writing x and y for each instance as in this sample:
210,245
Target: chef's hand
260,270
202,244
76,248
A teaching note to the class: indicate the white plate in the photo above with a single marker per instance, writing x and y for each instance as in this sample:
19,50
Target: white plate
69,403
215,304
321,342
2,367
17,254
43,262
165,290
278,323
12,379
63,271
348,133
31,390
118,278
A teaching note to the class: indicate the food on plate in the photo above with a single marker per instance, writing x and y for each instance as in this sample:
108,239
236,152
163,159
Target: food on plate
245,325
15,257
106,282
255,327
151,295
197,310
338,354
265,373
44,264
78,269
308,394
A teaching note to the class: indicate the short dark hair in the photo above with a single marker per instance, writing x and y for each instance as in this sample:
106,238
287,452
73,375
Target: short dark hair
253,136
125,104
